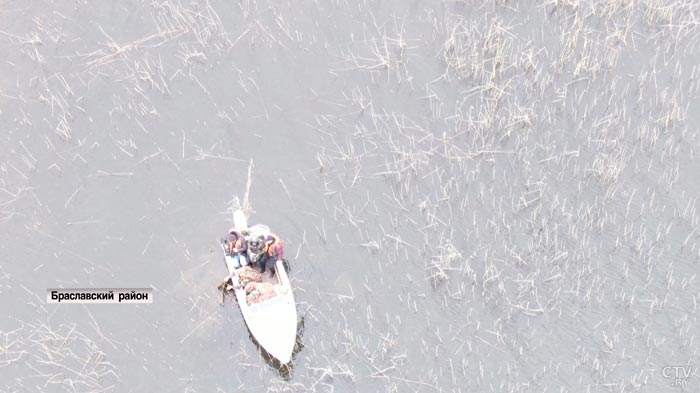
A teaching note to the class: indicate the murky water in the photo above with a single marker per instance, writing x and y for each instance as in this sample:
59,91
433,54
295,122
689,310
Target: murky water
475,197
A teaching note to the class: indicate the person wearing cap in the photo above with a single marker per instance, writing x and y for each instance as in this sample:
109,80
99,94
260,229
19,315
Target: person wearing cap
256,248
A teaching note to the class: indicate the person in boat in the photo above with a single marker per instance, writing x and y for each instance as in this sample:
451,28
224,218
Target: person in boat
256,248
236,247
270,249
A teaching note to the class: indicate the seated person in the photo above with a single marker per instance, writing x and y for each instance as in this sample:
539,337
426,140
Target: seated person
236,247
274,251
266,250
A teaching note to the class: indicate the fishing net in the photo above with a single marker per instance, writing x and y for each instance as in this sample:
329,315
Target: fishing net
249,275
259,292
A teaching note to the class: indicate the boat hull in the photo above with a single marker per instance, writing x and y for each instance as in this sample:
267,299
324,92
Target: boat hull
273,322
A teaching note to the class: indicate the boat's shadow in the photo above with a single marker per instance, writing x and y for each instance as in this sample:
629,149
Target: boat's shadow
284,370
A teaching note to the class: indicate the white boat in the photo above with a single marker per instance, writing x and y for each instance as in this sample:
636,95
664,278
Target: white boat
272,322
